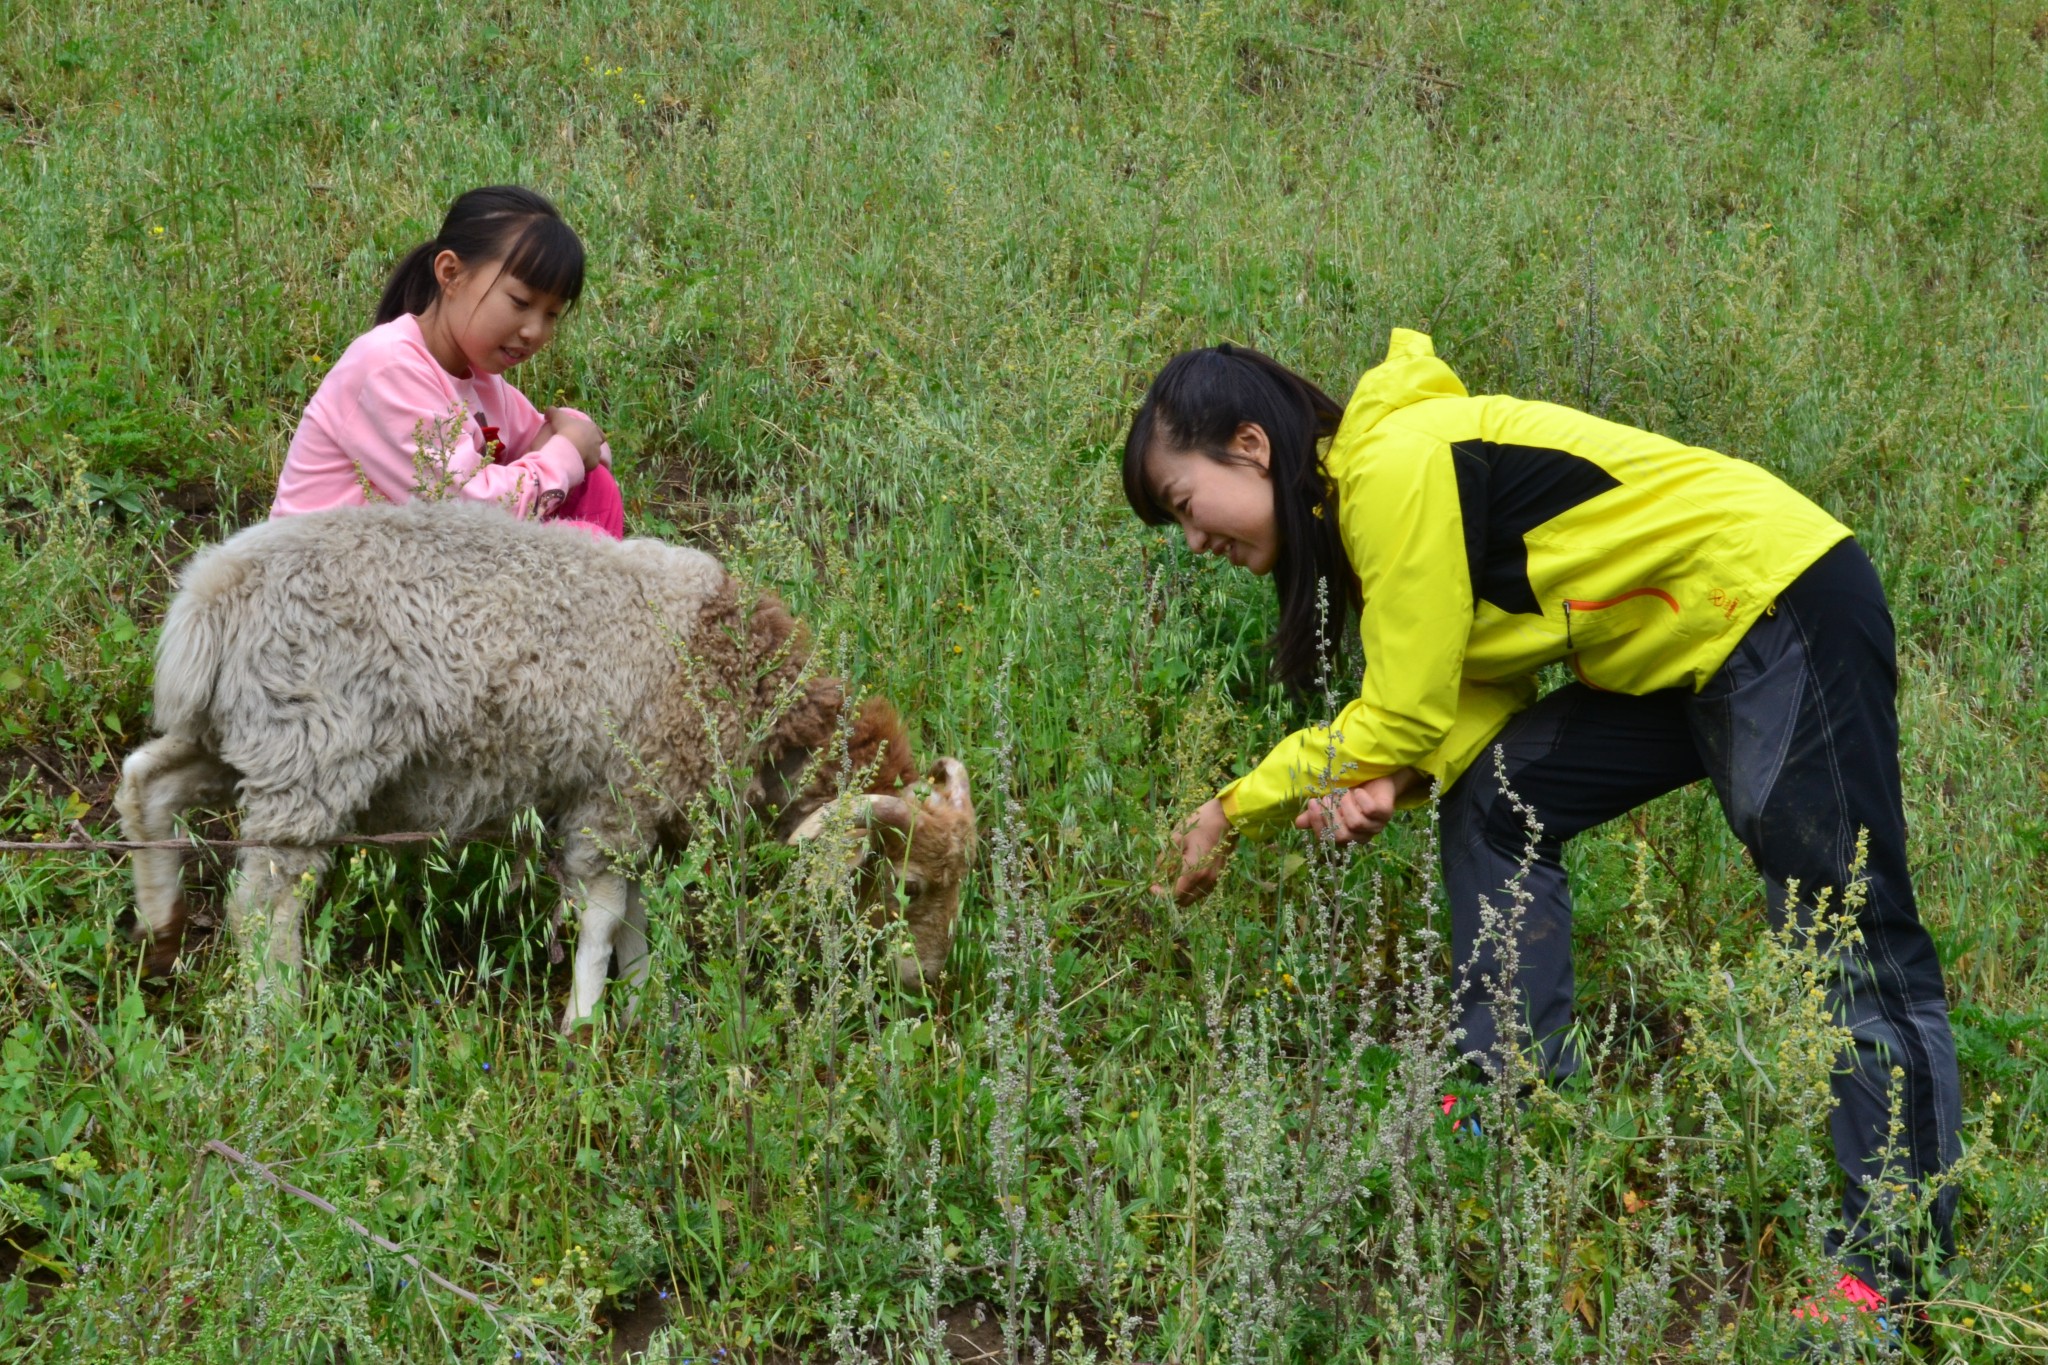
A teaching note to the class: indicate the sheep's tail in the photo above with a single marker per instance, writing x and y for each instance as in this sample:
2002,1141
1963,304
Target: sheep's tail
193,642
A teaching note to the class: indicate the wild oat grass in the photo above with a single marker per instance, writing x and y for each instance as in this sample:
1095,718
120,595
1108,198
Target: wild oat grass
873,288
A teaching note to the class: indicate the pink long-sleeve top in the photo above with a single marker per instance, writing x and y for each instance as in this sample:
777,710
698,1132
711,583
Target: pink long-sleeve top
364,431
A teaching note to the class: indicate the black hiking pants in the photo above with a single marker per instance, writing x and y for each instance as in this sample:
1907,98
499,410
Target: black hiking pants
1799,731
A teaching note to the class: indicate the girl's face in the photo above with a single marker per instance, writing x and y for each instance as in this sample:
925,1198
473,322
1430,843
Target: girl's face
491,320
1223,507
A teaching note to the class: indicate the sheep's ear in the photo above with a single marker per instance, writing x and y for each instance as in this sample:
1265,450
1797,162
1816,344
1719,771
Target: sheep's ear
812,825
870,813
949,784
884,812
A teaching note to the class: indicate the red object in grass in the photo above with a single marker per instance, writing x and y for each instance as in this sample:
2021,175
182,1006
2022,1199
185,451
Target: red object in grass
1852,1291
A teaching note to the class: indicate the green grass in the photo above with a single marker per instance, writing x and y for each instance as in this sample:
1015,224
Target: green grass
874,288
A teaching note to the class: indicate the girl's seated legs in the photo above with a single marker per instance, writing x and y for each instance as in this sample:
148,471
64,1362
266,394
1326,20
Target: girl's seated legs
596,503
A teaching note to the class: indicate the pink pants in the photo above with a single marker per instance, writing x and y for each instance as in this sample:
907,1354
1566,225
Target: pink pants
595,503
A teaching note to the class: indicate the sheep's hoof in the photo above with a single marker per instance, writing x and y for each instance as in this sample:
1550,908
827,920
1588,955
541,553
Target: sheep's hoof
160,949
583,1033
161,956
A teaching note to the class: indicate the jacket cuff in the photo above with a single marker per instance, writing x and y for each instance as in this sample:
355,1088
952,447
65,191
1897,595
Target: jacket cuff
1256,825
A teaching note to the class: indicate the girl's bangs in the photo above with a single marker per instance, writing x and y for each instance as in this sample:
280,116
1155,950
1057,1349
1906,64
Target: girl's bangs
547,257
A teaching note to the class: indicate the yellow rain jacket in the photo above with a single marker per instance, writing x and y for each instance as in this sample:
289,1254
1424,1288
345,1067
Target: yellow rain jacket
1492,536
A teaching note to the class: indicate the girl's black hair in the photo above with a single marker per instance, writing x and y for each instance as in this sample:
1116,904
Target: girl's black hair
506,223
1197,403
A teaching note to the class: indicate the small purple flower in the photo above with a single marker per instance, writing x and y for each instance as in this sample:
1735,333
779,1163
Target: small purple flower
487,1066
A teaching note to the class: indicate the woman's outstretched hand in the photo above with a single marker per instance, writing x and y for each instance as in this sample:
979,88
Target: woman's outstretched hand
1204,841
1357,815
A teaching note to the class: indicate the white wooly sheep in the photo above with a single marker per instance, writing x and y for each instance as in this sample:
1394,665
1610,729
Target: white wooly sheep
443,666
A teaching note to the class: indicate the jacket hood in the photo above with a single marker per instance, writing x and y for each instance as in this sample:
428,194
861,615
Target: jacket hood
1410,373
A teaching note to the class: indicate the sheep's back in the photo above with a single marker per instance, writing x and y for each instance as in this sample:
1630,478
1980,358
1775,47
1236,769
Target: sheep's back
445,654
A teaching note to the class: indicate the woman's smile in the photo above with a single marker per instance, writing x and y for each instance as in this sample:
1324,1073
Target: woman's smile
1223,506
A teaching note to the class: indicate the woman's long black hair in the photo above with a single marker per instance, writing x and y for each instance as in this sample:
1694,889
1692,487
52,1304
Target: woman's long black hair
506,223
1197,403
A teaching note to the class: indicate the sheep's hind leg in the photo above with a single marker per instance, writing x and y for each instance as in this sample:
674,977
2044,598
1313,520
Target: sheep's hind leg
269,899
602,899
630,947
159,782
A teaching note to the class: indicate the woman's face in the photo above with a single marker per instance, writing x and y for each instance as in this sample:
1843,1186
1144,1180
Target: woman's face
1224,508
491,317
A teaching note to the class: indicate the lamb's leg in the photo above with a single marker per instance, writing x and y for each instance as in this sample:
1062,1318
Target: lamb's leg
269,898
159,782
604,900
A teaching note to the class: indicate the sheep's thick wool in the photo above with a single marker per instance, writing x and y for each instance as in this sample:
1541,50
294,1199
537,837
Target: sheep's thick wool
440,665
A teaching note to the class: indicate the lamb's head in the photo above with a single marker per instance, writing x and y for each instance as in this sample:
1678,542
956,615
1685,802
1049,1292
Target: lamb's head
914,849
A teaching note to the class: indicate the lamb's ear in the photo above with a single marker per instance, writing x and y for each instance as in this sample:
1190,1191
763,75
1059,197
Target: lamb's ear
949,785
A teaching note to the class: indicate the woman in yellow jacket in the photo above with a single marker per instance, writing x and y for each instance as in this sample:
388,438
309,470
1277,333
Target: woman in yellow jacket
1718,625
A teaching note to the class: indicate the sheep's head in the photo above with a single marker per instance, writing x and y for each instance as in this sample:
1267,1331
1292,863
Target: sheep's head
917,834
914,852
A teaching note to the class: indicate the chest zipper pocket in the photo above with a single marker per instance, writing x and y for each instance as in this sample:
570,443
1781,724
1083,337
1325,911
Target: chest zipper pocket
1583,605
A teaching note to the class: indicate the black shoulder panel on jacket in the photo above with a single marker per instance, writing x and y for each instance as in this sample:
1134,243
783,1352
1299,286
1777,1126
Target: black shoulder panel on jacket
1506,491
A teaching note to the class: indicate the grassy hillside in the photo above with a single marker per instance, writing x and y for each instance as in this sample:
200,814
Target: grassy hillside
874,288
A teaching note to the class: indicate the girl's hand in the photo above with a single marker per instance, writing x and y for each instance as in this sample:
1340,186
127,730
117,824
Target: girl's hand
1358,815
581,431
1204,840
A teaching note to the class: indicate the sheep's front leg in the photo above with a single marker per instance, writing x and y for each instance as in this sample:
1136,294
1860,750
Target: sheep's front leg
604,900
159,782
272,886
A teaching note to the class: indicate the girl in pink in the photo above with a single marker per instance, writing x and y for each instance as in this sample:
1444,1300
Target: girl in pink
418,405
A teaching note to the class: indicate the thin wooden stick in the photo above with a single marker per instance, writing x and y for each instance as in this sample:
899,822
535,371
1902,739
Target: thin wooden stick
215,1147
78,844
49,769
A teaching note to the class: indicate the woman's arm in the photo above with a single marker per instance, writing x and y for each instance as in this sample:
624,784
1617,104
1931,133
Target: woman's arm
1405,537
1357,816
1205,841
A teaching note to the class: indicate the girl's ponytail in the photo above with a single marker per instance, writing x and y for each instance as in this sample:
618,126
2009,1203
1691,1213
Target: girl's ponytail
509,224
412,287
